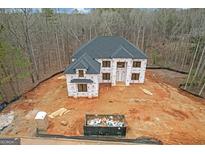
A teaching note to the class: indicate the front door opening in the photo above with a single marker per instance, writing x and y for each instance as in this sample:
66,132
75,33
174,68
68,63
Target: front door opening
121,72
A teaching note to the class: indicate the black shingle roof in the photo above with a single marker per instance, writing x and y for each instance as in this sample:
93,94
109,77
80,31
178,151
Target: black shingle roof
122,53
106,46
102,47
84,62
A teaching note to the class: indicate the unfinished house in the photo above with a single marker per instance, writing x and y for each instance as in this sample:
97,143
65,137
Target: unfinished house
105,59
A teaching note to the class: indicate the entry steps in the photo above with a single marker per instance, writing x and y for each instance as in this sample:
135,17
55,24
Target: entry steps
120,84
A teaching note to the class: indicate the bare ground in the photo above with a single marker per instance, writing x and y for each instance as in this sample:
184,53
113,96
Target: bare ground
170,115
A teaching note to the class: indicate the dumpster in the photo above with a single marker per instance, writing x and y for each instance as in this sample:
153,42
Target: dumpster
105,125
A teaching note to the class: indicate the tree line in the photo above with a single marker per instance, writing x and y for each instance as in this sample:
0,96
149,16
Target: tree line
36,45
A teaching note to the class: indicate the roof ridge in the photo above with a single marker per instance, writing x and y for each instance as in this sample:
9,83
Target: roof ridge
82,61
84,45
89,61
73,64
126,50
79,60
118,50
134,46
99,47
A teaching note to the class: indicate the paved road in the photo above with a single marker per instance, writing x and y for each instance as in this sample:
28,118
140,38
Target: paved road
57,141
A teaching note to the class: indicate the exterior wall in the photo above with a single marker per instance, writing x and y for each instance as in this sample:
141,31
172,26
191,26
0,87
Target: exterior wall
105,70
114,71
129,70
140,70
92,88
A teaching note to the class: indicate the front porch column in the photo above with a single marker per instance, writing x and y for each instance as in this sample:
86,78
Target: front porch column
128,72
114,69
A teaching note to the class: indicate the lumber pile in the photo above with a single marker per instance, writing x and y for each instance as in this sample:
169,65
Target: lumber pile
61,77
147,92
59,112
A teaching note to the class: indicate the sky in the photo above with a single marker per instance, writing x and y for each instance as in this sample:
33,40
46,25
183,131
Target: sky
67,10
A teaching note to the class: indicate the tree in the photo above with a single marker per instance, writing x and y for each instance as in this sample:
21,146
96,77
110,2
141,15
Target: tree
11,64
47,38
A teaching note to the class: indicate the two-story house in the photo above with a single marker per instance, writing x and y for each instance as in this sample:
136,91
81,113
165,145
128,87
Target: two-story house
105,59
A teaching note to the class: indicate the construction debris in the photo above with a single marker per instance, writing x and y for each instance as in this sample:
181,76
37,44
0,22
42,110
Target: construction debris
147,92
132,100
62,77
59,112
28,100
6,120
64,123
106,121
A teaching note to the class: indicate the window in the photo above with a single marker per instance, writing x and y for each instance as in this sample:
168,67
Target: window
136,63
120,64
135,76
106,76
81,73
106,63
82,87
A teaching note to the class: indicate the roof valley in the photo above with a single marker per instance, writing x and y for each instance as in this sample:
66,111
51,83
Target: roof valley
100,48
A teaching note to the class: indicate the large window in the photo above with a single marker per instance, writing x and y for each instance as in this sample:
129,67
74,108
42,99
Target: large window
106,76
82,87
136,63
135,76
106,64
81,73
120,64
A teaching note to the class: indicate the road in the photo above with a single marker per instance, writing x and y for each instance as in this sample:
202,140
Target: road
57,141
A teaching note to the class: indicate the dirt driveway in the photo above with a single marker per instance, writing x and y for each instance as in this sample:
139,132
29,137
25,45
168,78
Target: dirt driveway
172,116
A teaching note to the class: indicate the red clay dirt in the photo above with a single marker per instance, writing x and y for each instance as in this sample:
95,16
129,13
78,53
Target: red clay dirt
170,115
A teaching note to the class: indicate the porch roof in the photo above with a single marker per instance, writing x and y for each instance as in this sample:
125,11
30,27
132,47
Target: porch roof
81,81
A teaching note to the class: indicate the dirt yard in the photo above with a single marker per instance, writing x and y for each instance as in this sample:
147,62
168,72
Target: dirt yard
170,115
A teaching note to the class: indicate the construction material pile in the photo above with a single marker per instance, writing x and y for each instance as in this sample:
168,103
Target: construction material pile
6,120
105,121
59,112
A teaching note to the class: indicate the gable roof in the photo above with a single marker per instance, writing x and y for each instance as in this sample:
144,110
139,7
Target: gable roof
121,53
84,62
108,47
81,65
